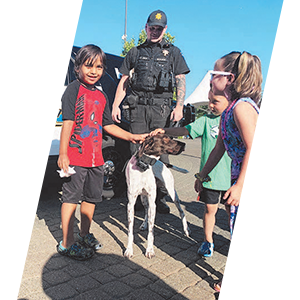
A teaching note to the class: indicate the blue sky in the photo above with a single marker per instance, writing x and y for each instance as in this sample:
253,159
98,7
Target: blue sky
204,30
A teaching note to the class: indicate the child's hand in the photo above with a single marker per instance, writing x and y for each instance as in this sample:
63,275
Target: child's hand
63,162
233,195
138,138
198,186
156,131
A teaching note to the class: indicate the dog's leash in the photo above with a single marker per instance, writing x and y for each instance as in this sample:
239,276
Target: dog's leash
181,170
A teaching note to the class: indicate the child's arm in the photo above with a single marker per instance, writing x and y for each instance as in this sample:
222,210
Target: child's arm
245,118
63,159
214,157
123,134
173,131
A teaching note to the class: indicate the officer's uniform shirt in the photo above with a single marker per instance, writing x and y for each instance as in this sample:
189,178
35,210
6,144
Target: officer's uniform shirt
179,65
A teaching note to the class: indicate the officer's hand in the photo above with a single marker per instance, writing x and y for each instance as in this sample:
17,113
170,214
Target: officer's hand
116,114
176,114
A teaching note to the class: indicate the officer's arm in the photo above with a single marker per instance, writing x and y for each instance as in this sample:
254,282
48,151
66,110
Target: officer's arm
120,95
177,113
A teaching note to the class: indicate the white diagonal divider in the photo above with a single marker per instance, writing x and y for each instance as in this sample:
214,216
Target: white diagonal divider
51,104
274,81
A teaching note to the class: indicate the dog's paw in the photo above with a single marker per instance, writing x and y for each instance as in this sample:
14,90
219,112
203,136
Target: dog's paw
150,253
128,253
144,226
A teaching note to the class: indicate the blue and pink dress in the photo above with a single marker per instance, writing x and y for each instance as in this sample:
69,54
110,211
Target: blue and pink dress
269,218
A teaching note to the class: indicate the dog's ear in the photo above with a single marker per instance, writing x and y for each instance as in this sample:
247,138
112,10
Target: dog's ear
166,139
142,148
146,147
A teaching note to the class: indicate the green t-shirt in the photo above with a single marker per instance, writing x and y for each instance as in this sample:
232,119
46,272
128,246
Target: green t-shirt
207,127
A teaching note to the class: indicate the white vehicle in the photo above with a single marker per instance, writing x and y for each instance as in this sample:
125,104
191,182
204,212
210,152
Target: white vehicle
33,61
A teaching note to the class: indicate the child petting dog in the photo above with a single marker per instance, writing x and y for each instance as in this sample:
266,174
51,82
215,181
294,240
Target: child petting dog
207,127
86,113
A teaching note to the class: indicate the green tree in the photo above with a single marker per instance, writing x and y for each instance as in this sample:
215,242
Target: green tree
127,45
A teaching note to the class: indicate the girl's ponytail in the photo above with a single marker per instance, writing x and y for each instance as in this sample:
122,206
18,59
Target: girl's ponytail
248,76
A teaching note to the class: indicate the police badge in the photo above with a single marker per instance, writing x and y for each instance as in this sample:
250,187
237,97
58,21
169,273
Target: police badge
165,52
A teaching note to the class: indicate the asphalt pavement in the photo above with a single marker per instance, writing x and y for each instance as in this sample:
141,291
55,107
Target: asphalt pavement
176,272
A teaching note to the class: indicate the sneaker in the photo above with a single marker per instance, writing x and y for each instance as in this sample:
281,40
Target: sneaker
90,241
206,249
75,251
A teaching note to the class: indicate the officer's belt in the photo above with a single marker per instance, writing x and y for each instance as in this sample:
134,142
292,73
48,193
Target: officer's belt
153,101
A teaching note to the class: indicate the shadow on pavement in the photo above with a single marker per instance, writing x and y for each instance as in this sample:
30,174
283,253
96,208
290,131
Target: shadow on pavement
110,274
105,276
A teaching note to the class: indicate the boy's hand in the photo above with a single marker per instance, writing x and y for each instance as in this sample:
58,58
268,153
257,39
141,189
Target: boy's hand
156,131
138,138
63,162
198,186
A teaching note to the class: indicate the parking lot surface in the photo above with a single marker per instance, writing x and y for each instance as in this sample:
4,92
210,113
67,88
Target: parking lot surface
176,272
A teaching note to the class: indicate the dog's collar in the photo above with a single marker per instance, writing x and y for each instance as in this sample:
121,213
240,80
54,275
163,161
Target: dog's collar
144,161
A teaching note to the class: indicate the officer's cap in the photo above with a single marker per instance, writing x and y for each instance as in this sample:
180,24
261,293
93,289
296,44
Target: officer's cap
158,18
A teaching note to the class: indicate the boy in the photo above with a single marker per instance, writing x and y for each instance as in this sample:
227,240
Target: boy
207,127
85,113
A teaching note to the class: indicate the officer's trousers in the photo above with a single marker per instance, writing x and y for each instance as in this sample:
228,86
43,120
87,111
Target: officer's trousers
146,118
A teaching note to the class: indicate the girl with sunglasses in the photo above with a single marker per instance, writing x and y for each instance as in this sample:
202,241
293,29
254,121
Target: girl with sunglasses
238,77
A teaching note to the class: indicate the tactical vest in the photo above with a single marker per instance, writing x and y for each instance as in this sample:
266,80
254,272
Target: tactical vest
153,72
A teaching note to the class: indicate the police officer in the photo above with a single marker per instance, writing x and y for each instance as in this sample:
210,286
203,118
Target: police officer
152,71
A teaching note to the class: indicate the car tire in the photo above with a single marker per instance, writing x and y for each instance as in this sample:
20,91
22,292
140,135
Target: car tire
114,183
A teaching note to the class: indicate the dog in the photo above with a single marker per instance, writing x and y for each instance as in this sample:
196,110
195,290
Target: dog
141,172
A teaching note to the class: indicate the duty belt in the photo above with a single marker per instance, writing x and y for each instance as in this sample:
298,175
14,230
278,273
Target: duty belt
153,101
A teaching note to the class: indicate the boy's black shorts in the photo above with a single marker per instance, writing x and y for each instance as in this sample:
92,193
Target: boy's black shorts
212,196
85,185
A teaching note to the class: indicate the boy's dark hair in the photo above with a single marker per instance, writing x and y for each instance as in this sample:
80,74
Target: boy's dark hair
88,53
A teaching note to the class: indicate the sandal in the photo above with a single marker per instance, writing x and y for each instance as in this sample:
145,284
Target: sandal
75,251
89,241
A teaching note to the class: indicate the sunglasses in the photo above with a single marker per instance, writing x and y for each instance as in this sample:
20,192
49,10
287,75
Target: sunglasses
157,29
213,73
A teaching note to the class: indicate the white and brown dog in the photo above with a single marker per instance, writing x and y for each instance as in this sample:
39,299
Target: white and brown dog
141,173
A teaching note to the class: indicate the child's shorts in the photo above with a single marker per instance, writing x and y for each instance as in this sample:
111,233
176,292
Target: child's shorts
85,185
212,196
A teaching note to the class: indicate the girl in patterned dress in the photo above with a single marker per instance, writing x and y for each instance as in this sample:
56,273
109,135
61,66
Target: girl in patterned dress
238,77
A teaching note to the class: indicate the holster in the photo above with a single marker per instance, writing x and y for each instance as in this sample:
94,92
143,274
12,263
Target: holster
129,103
